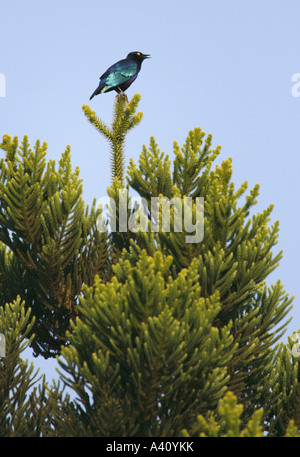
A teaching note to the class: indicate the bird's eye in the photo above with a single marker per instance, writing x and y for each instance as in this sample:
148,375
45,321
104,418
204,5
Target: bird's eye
138,53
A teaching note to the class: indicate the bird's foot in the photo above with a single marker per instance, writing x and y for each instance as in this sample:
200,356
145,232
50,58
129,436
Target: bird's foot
122,94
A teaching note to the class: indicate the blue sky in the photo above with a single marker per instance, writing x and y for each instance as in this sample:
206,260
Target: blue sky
223,65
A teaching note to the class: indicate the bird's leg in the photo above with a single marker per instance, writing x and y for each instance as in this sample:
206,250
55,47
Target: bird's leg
122,94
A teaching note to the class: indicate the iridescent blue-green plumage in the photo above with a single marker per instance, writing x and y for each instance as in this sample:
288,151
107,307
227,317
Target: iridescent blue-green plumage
121,75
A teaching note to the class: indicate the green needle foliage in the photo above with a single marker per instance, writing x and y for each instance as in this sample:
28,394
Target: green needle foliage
180,324
24,410
49,243
144,357
125,118
234,258
284,405
157,336
226,421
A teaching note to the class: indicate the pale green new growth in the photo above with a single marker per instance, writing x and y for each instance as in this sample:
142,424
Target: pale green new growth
125,118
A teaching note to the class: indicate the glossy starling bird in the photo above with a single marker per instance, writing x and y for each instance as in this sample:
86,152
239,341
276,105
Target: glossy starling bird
121,75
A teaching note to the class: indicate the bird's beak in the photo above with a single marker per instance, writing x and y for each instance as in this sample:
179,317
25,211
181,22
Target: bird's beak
146,56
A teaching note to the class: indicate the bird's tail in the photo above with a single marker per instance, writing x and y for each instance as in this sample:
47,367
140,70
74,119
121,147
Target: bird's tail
97,91
93,94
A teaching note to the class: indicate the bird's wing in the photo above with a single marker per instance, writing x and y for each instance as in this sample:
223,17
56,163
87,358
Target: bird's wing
119,73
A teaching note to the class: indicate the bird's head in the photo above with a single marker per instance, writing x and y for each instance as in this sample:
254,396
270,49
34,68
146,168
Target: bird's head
138,56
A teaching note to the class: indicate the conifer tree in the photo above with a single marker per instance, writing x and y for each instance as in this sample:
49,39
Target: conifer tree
180,324
160,337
